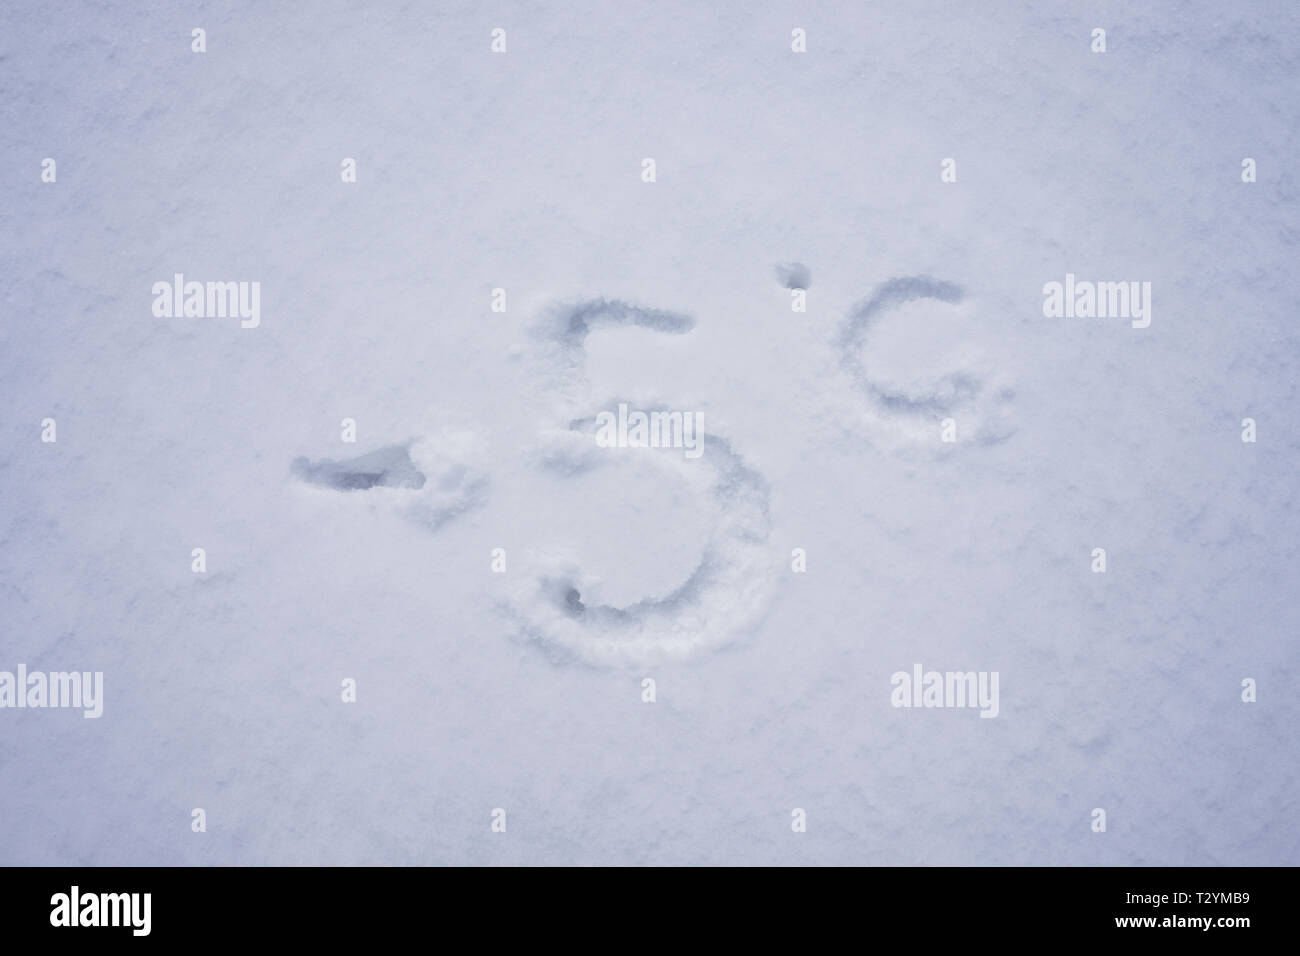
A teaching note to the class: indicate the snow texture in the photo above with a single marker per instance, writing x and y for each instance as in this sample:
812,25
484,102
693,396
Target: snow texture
522,690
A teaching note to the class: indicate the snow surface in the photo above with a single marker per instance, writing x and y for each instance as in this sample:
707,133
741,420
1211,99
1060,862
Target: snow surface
522,690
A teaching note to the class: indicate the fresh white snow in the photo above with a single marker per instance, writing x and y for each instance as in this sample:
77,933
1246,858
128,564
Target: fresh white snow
523,690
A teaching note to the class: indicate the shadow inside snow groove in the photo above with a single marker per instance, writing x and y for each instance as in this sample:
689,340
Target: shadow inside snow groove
722,594
388,467
949,392
971,394
434,474
569,325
